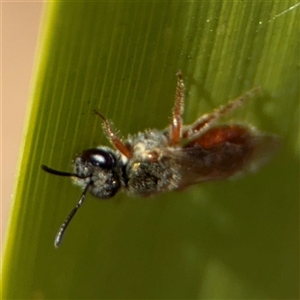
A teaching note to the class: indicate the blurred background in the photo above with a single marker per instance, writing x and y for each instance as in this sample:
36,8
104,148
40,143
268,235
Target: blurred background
19,29
238,239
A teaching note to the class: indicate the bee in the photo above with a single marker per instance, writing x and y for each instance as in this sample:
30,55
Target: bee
156,161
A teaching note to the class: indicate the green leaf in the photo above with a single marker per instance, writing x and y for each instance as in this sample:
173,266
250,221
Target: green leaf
231,239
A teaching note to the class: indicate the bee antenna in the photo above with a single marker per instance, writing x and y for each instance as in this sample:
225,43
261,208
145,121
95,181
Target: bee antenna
56,172
70,216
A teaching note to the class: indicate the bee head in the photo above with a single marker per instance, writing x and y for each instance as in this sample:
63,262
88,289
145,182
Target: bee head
98,171
100,168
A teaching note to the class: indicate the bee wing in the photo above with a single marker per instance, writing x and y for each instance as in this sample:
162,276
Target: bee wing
194,165
197,164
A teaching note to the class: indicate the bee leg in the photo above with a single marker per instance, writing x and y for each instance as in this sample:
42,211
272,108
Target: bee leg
112,136
176,125
205,122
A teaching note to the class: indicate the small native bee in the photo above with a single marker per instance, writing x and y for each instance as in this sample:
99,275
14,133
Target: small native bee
175,158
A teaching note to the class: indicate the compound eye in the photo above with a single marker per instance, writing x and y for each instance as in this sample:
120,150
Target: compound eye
99,158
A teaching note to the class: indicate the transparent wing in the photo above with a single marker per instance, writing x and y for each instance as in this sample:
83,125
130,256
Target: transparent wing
222,152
